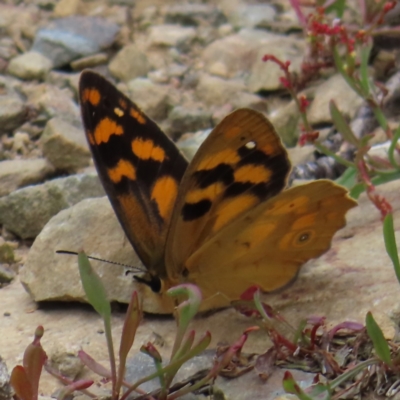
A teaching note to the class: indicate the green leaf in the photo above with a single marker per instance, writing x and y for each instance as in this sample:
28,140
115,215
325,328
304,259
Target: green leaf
341,124
390,243
392,148
349,178
364,73
380,344
93,287
337,7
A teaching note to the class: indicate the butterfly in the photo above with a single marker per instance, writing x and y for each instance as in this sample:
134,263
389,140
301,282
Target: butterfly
224,221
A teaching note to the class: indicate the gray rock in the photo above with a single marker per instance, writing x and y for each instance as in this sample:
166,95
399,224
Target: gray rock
234,55
90,225
191,143
266,75
171,36
193,15
335,88
64,145
12,112
129,63
15,174
7,255
215,91
6,276
183,120
26,211
29,66
6,391
89,61
67,39
51,101
153,99
250,15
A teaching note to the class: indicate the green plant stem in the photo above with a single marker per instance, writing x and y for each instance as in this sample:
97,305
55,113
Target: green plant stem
108,333
376,180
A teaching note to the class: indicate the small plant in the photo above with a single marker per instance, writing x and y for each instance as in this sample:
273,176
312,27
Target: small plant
25,378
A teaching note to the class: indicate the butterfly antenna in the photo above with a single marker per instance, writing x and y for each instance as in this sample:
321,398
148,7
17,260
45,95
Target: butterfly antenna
130,267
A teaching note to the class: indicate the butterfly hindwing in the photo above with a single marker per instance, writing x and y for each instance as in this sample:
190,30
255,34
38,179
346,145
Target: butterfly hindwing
241,164
267,245
139,166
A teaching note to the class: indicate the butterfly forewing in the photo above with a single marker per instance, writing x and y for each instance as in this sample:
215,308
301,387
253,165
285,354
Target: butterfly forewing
138,164
241,164
267,245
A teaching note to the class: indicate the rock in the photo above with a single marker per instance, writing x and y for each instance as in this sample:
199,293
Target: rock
250,15
6,276
171,36
15,174
6,392
69,38
30,66
265,75
89,61
90,225
215,91
129,63
51,101
189,144
65,8
12,112
153,99
335,88
26,211
7,255
64,145
65,360
193,15
183,120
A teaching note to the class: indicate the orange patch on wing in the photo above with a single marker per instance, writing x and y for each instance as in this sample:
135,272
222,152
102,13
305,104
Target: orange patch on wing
272,149
229,209
252,173
123,168
136,114
256,234
305,221
282,207
233,132
105,129
146,150
164,193
227,156
92,95
210,193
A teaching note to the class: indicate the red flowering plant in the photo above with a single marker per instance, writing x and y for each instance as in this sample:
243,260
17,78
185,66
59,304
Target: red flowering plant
346,46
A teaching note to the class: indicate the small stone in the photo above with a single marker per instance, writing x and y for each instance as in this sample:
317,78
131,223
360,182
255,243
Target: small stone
12,112
336,89
6,252
154,100
70,38
215,91
194,15
129,63
26,211
66,361
183,120
15,174
171,36
265,75
64,145
251,15
89,61
29,66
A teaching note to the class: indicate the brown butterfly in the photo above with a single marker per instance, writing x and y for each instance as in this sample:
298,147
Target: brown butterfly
223,222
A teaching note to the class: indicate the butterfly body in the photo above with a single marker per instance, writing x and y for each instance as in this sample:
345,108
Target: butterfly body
223,221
